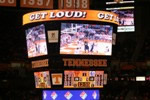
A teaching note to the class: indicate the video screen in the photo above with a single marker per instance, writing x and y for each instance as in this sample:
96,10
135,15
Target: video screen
83,79
118,1
71,95
86,39
42,79
126,18
36,41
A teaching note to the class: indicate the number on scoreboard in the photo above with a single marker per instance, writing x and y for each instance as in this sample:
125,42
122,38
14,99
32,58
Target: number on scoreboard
73,4
9,3
37,4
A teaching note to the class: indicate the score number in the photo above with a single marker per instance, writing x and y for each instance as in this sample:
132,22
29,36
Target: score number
37,3
8,3
74,4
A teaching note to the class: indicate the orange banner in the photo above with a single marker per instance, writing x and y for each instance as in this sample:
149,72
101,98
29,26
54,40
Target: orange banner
9,3
85,15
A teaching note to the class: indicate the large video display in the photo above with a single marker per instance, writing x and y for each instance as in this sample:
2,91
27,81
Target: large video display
42,79
71,95
86,39
126,18
36,41
83,79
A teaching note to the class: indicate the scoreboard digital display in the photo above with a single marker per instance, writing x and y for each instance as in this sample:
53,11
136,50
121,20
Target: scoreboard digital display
83,79
126,18
42,79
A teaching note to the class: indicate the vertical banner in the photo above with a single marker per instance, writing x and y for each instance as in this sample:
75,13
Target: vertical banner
69,4
9,3
53,36
56,79
114,39
84,4
73,4
37,3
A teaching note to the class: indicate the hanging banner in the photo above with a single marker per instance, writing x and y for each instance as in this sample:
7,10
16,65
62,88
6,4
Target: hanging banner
73,4
9,3
85,15
37,4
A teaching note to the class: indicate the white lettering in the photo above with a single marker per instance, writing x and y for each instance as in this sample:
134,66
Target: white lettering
111,16
106,17
69,14
52,15
101,15
43,15
37,16
78,14
60,14
32,17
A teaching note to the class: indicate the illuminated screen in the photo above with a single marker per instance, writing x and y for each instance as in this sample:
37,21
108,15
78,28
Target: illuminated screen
86,39
126,18
71,95
36,41
42,79
83,79
140,78
119,1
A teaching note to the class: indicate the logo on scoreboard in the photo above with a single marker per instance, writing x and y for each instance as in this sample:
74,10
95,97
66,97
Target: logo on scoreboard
54,95
68,95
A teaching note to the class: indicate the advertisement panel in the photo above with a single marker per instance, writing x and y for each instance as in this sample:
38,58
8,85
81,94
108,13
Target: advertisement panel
71,95
78,15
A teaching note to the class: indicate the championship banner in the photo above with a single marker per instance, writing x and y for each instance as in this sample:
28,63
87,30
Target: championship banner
73,4
40,63
37,4
8,3
56,79
56,15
